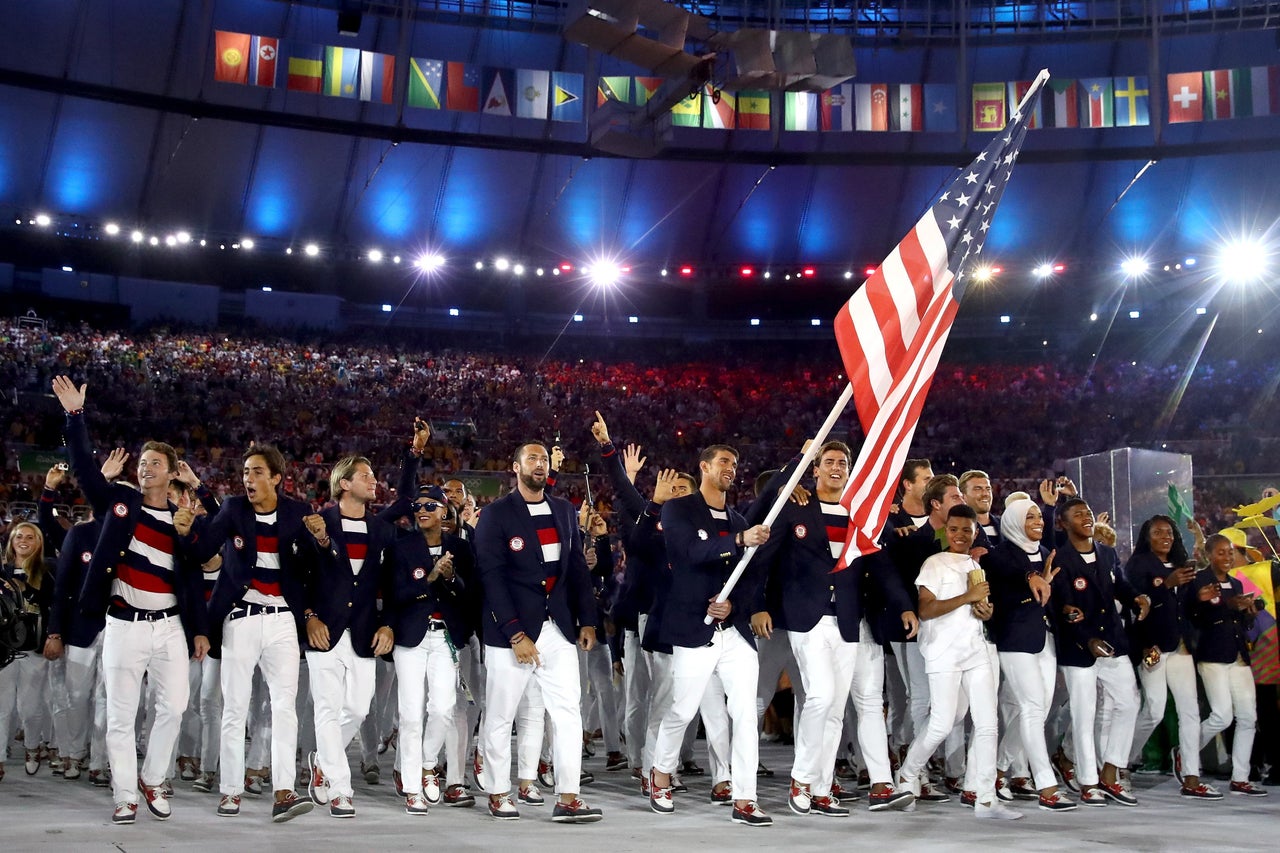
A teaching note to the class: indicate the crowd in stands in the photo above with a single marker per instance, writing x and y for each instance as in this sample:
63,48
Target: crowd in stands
213,393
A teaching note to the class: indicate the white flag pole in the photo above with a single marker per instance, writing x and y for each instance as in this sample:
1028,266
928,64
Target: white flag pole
1040,80
785,494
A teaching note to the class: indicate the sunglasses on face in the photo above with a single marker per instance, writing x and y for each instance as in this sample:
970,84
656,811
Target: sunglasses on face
429,506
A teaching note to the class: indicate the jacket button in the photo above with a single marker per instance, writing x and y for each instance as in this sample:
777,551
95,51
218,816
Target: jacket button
831,588
544,583
348,603
122,553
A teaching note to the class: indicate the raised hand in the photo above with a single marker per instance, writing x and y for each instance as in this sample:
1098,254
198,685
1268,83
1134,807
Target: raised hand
664,489
599,430
187,475
632,461
71,398
1048,492
557,457
55,476
421,435
113,467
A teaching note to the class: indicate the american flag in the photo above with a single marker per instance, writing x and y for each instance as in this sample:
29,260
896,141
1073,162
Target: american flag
892,331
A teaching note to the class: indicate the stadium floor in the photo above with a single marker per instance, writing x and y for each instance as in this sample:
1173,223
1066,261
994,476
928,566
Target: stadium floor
44,812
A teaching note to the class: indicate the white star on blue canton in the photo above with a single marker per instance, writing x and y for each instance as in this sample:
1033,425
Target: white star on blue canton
1008,158
985,225
971,178
982,157
963,200
967,238
945,196
954,222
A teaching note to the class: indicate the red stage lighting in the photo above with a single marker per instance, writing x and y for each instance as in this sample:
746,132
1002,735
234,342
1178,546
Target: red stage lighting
746,272
686,271
809,272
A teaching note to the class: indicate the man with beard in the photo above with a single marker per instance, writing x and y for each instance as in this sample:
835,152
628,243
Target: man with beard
537,595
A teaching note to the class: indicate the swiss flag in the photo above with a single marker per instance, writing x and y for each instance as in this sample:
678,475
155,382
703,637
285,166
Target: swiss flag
1186,97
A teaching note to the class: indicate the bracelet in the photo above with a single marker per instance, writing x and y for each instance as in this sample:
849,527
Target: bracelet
57,637
518,638
311,615
73,412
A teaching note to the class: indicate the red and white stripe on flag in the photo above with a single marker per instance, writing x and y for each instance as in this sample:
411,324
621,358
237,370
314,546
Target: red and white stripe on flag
892,331
891,334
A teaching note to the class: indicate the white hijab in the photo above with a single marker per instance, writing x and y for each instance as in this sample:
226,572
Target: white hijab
1013,525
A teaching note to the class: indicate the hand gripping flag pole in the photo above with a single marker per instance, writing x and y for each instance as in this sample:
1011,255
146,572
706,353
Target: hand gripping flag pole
892,331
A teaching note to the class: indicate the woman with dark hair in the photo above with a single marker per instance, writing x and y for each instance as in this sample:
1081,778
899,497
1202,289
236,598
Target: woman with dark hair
24,683
1160,568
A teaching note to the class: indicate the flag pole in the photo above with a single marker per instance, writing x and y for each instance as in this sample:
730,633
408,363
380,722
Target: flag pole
785,494
1040,80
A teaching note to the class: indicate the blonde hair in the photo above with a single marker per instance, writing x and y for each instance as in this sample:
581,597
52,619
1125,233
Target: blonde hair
34,565
344,469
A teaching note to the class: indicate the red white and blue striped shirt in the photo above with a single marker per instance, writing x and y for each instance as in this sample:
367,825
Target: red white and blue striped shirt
144,576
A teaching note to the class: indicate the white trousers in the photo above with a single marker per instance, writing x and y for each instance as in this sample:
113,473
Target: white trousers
131,650
202,723
732,659
599,696
1230,690
87,704
1114,677
268,641
381,719
1174,673
557,677
637,684
868,702
945,690
911,666
1029,680
826,663
23,691
661,692
341,690
427,687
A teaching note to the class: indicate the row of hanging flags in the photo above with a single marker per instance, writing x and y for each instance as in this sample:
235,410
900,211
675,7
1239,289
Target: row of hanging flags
346,72
1090,102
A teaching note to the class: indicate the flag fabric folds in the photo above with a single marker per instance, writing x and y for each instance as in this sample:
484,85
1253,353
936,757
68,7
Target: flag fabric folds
341,72
306,68
1017,89
426,79
1132,100
718,111
836,108
988,107
939,108
753,110
1186,97
463,89
892,331
613,89
231,60
1097,107
1060,105
533,93
566,96
871,106
800,111
377,77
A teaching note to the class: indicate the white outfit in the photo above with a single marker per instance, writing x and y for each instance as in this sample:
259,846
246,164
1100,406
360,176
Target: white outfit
1230,690
341,690
268,641
1174,673
427,681
1114,677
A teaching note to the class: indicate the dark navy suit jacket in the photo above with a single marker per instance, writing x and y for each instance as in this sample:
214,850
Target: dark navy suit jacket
65,617
1222,628
517,595
235,524
1018,623
118,506
413,599
701,561
1094,588
1167,624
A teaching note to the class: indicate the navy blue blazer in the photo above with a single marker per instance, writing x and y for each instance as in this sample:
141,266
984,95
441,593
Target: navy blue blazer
343,600
514,578
635,593
414,600
65,617
1018,623
800,586
647,558
701,561
235,524
1222,628
118,505
1167,624
1094,588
